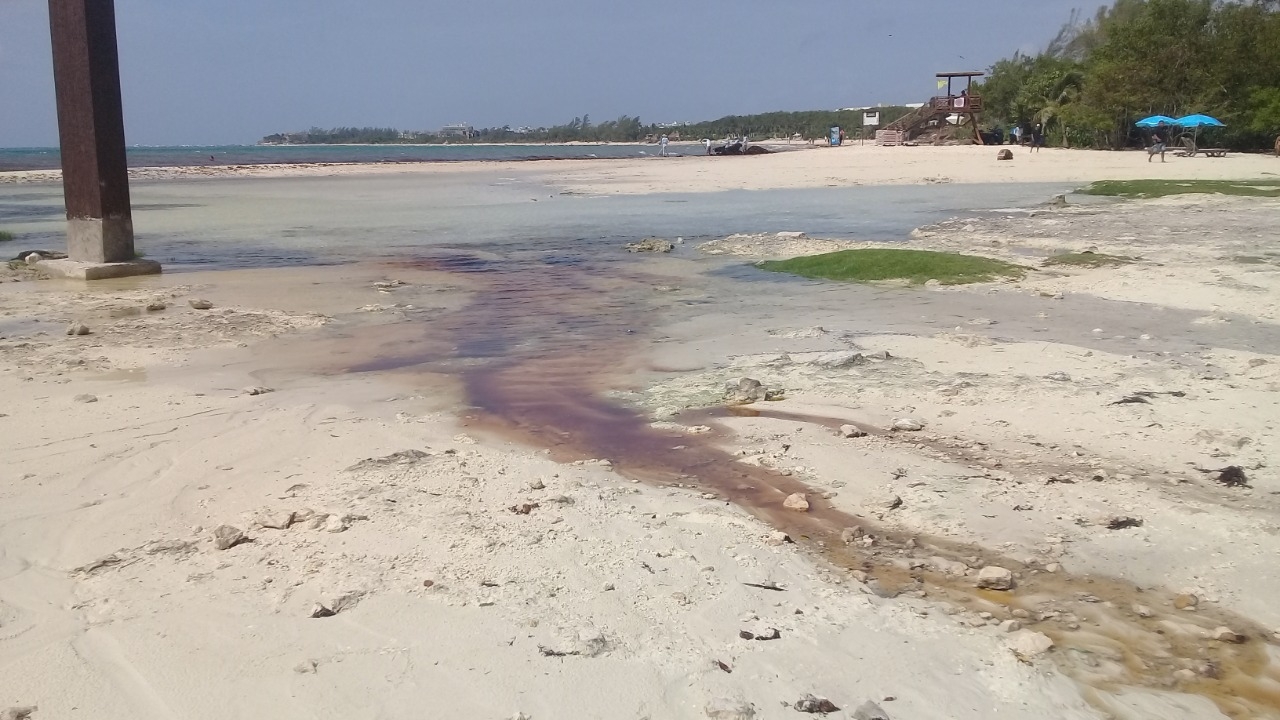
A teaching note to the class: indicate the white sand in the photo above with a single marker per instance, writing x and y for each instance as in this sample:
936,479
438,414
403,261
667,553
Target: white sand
845,166
643,587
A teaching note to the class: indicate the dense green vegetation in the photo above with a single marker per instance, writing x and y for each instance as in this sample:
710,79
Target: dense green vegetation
1138,58
808,124
1161,188
1087,259
914,266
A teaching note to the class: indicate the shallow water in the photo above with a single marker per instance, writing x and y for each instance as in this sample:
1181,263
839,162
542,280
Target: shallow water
260,222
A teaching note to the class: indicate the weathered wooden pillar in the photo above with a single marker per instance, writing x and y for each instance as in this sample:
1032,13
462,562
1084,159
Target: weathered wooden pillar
95,179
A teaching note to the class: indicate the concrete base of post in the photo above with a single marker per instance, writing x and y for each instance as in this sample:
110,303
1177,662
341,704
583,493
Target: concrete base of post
99,240
77,270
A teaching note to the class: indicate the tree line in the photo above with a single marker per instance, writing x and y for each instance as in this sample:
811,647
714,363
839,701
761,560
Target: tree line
1137,58
809,124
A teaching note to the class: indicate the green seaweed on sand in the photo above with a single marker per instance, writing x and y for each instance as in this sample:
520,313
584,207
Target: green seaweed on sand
1088,260
914,266
1162,188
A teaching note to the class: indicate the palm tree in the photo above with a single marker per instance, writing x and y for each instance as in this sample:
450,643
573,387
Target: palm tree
1064,92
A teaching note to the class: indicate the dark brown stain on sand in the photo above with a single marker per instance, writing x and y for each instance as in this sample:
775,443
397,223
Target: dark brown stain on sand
537,349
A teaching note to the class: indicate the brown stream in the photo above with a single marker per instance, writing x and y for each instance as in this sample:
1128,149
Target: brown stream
535,350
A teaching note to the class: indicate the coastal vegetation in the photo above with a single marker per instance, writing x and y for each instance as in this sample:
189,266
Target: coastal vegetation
1162,188
808,124
914,266
5,236
1138,58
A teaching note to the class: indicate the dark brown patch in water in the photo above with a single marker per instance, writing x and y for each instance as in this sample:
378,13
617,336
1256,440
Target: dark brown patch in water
538,346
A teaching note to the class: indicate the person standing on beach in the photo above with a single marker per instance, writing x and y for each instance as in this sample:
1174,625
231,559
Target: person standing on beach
1037,137
1158,137
662,145
1016,134
707,143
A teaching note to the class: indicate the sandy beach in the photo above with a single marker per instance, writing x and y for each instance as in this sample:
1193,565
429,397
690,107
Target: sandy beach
794,166
483,469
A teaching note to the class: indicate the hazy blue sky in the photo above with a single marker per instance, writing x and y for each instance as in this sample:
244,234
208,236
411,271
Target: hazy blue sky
231,71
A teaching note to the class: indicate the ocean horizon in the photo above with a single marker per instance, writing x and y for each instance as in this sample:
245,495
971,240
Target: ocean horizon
49,158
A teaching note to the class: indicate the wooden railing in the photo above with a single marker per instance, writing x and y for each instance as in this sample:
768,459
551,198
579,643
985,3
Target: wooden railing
957,103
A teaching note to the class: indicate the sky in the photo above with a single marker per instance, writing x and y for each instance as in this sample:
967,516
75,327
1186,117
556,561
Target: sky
232,71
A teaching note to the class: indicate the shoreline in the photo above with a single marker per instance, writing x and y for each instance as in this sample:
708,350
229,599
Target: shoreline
847,166
644,588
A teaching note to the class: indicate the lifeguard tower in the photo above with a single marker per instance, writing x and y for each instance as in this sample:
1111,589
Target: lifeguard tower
965,105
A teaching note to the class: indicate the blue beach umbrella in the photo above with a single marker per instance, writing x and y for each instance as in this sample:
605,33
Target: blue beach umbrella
1198,121
1155,120
1195,122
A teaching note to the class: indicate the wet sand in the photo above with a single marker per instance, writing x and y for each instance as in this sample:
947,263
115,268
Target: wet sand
582,511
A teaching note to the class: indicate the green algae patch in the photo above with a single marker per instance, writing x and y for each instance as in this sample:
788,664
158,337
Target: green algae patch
916,267
1163,188
1087,260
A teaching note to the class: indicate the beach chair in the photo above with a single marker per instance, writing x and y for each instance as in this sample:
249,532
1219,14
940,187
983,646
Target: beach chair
1188,148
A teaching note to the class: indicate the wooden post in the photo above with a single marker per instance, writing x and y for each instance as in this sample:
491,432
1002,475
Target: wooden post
95,179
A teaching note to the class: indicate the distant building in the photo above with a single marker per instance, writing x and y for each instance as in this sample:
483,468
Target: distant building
463,130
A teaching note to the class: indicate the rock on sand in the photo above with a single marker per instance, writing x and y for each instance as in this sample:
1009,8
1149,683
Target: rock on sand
993,577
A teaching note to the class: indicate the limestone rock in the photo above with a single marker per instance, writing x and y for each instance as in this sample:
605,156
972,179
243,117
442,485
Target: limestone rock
258,390
1186,601
1010,626
77,329
796,501
840,359
994,577
886,501
870,711
744,391
811,704
650,245
730,709
226,537
1142,611
1028,644
1227,635
21,712
790,235
156,306
320,611
852,431
1005,154
1058,377
777,538
908,425
86,398
200,304
850,535
275,521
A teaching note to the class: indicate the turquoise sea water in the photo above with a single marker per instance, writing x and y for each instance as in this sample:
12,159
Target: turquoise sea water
48,158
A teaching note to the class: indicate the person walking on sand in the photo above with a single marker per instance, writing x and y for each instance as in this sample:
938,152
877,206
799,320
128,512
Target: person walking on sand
1158,137
662,146
1037,137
